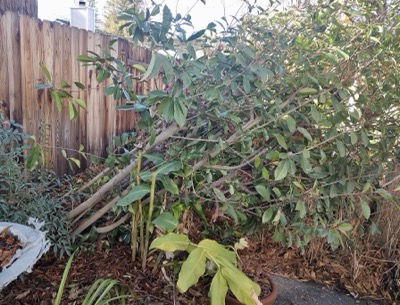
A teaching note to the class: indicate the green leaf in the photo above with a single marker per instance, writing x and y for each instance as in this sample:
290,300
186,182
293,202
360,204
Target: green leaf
215,251
220,195
345,227
341,148
167,19
156,158
110,90
180,111
365,209
32,160
305,133
72,111
79,85
166,221
169,185
187,81
64,84
291,123
218,289
57,100
301,208
76,161
316,115
257,161
246,84
267,216
81,103
353,137
140,68
342,54
45,71
84,58
307,91
385,194
265,173
169,167
136,193
366,187
305,163
166,108
332,58
241,286
171,242
192,269
281,140
196,35
282,170
154,67
263,191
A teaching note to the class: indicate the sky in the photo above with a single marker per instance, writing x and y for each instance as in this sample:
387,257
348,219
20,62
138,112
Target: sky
201,14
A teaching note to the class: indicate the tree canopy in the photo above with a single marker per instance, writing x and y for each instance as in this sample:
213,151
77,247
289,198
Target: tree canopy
113,9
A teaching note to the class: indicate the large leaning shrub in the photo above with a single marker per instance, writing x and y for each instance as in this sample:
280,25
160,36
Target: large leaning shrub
287,118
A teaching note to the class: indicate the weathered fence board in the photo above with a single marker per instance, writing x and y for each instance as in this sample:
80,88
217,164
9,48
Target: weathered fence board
25,43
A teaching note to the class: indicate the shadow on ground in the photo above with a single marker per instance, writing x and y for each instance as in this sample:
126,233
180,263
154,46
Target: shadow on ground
292,292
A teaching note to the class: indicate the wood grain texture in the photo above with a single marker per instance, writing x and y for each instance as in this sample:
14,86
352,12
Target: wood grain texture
26,43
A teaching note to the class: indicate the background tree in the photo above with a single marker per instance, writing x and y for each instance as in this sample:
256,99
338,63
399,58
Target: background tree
113,9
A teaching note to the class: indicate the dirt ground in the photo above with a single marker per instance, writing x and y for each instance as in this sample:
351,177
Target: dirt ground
154,285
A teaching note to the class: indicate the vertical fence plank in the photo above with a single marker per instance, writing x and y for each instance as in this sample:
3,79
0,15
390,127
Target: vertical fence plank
49,106
4,79
27,75
83,78
13,60
60,117
91,98
27,42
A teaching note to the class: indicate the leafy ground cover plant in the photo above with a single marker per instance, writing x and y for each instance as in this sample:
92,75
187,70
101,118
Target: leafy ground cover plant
25,194
226,274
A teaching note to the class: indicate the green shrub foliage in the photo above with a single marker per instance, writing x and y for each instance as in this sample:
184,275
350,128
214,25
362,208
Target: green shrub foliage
289,118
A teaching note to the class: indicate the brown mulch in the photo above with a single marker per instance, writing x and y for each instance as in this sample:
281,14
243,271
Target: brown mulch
9,244
366,272
41,285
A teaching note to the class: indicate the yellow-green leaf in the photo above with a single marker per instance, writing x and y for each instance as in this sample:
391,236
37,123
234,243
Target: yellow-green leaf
301,208
281,140
307,91
71,110
192,269
282,170
262,190
171,242
81,103
214,251
365,209
218,289
241,286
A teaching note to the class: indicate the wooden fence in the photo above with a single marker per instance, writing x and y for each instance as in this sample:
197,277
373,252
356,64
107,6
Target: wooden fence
25,43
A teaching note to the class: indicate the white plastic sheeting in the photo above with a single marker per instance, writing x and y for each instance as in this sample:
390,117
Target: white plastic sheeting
34,245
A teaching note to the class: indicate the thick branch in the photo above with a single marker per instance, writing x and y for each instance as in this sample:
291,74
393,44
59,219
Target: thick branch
96,197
